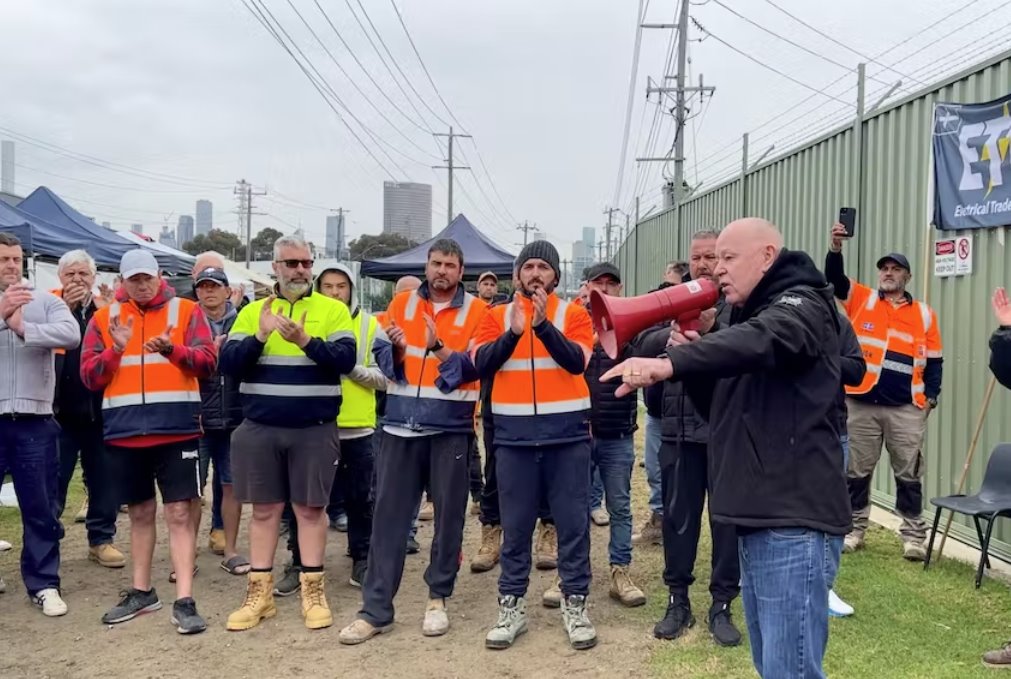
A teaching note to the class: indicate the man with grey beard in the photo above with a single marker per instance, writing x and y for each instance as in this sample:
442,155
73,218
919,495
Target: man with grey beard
289,351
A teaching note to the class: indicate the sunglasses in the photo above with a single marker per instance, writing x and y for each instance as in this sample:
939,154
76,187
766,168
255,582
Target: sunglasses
294,263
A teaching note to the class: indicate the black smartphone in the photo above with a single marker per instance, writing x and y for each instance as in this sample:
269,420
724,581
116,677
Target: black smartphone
848,218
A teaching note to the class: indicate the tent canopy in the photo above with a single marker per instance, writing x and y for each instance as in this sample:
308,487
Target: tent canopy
479,255
38,238
107,247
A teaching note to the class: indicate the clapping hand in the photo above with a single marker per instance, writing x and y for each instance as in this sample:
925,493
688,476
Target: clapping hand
121,333
13,298
397,337
292,331
160,344
268,321
75,294
430,331
540,300
1002,307
517,320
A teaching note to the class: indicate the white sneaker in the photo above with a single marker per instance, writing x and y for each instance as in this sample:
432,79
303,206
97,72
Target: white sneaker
50,602
837,608
512,622
4,546
3,586
436,620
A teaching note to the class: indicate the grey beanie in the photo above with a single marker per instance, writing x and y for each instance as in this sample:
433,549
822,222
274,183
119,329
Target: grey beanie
540,249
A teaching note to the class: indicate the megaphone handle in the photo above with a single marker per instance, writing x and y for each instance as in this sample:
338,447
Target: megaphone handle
690,321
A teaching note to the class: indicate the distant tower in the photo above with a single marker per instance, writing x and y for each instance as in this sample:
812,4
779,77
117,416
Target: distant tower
7,166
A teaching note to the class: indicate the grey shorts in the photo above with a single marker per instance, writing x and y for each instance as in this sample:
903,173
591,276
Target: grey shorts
279,464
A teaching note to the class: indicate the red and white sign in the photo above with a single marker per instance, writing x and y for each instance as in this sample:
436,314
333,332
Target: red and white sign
953,256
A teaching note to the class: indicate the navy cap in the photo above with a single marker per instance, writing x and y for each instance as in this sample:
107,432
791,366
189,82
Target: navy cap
896,257
594,272
212,273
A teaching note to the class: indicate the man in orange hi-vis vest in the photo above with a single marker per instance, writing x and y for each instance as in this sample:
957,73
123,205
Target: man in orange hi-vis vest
431,394
537,348
902,347
147,350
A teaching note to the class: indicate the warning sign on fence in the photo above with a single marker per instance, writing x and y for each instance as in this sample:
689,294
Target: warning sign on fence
953,256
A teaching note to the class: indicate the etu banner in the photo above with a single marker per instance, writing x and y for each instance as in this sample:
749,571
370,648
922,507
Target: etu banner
972,165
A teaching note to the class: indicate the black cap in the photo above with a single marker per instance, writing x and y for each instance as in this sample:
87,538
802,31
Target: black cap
212,273
896,257
594,272
540,249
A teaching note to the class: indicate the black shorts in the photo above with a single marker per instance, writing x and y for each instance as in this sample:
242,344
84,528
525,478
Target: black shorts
175,467
284,464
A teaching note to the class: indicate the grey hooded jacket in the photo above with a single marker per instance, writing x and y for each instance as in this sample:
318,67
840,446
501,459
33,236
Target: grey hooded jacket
27,364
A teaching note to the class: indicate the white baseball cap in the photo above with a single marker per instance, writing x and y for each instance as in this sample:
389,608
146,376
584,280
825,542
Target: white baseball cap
136,262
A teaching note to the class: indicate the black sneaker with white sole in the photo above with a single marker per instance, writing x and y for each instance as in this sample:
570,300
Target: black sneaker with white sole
133,603
185,617
358,569
290,583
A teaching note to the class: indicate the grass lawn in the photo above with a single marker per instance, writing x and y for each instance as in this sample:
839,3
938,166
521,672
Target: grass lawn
10,529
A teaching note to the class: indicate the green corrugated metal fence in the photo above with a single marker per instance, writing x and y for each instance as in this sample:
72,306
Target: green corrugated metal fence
880,165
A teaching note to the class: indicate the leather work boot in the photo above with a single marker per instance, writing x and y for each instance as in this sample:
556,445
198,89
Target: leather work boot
651,532
623,589
582,634
546,549
852,542
315,609
259,603
360,631
491,547
914,551
999,658
106,555
82,514
552,596
216,542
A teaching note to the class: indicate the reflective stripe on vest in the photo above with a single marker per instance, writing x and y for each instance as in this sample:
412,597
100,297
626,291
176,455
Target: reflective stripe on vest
358,407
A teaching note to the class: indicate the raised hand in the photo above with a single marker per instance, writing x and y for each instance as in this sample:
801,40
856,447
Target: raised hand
236,295
106,296
15,297
540,300
1001,306
517,320
838,236
430,331
397,337
75,294
121,333
268,321
160,344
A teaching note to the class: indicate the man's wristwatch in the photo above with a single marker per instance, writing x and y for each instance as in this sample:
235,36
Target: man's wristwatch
438,346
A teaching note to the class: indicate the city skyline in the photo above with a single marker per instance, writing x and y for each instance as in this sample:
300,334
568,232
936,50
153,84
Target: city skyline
407,210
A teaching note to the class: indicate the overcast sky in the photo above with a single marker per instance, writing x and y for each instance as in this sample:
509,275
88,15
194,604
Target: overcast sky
199,94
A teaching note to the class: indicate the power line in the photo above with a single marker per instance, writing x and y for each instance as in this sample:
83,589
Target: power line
118,187
630,104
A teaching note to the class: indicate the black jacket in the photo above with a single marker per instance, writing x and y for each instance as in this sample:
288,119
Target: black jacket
1000,355
72,400
611,417
769,385
851,364
220,406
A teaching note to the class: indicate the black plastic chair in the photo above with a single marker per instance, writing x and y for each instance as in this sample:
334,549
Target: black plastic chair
992,500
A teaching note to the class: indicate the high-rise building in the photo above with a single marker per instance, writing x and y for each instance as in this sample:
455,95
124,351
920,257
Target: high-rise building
7,166
407,210
184,230
582,254
137,229
205,217
166,237
334,244
589,236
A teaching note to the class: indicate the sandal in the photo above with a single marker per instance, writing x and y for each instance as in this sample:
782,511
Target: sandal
237,565
172,575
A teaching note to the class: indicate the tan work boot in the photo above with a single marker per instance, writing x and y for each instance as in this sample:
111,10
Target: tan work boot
546,549
360,631
491,549
852,542
651,532
106,555
623,589
913,551
82,514
259,603
315,609
427,512
552,596
216,542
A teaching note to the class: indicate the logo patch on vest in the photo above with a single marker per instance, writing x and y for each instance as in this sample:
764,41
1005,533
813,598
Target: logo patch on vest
869,327
790,299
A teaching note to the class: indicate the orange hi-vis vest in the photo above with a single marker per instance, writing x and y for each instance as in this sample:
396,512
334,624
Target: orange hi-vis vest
898,338
148,395
420,398
534,401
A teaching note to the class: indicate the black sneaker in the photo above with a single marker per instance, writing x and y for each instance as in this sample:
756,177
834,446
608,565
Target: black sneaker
677,620
185,617
412,546
289,583
358,569
133,603
722,626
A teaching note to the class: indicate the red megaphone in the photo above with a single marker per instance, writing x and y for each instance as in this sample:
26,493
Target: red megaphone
617,320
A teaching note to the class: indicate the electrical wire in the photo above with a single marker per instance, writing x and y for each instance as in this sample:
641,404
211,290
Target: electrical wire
630,104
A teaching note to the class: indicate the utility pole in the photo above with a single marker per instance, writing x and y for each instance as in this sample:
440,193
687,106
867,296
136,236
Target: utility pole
341,232
600,251
526,229
244,190
680,108
450,166
565,277
610,225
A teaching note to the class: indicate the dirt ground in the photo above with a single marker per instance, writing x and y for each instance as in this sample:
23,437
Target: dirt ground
78,645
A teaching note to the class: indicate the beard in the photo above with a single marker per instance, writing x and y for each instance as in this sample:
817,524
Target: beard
892,286
296,287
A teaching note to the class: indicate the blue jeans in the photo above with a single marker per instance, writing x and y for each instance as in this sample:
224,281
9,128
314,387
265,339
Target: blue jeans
596,488
614,460
785,597
833,570
652,455
216,447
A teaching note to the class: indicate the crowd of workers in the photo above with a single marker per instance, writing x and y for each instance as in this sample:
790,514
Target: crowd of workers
317,413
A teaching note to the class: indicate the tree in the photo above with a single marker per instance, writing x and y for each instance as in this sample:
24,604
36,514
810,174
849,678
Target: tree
369,246
228,244
262,245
